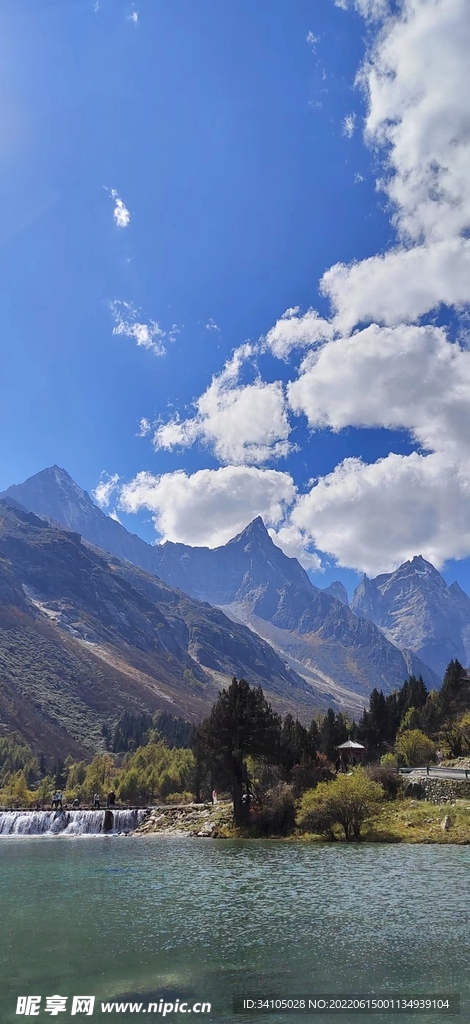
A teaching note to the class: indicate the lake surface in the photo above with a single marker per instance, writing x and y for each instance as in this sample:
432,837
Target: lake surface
138,918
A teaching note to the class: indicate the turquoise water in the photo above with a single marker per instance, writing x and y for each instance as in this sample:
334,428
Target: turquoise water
135,918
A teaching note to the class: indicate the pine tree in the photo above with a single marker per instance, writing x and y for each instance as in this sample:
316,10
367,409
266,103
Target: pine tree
333,732
241,724
455,689
313,737
294,745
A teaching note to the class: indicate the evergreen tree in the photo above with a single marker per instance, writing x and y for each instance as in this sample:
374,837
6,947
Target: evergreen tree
430,715
294,746
130,732
333,732
133,731
174,731
418,692
241,723
413,694
59,773
15,755
379,725
314,737
454,695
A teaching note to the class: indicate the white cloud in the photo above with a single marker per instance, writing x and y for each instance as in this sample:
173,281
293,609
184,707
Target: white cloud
358,178
295,544
212,505
370,9
416,79
211,325
114,515
120,213
401,285
241,423
105,489
146,335
296,331
373,9
145,427
134,17
348,125
312,40
408,378
373,517
394,373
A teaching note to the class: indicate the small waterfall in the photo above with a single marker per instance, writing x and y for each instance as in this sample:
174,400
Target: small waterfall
69,823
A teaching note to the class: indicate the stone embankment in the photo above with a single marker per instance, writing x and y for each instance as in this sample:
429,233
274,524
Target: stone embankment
438,791
200,820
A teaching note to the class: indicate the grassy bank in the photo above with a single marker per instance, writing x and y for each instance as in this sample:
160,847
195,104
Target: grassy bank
408,821
400,821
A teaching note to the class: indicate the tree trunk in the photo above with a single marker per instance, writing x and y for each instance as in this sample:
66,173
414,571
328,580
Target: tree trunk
241,800
238,806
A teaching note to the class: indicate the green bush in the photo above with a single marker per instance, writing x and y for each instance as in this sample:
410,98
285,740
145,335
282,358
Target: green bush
349,802
389,760
414,749
316,813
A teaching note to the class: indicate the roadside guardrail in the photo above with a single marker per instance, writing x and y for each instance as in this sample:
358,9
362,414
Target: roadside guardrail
445,773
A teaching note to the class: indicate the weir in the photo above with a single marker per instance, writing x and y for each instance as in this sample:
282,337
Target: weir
69,823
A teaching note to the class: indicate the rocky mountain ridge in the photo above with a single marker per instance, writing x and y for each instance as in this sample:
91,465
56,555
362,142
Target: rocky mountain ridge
416,609
85,636
337,589
53,493
256,583
342,655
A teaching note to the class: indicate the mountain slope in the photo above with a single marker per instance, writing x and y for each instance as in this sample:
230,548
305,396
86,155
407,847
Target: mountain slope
416,609
255,583
258,584
53,493
85,636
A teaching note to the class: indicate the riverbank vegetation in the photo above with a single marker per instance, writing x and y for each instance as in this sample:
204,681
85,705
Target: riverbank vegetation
282,776
400,821
139,773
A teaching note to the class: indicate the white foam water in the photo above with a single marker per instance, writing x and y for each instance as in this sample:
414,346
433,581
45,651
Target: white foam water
69,823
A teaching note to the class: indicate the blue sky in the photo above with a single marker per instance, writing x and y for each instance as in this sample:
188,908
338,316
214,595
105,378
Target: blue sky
174,178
